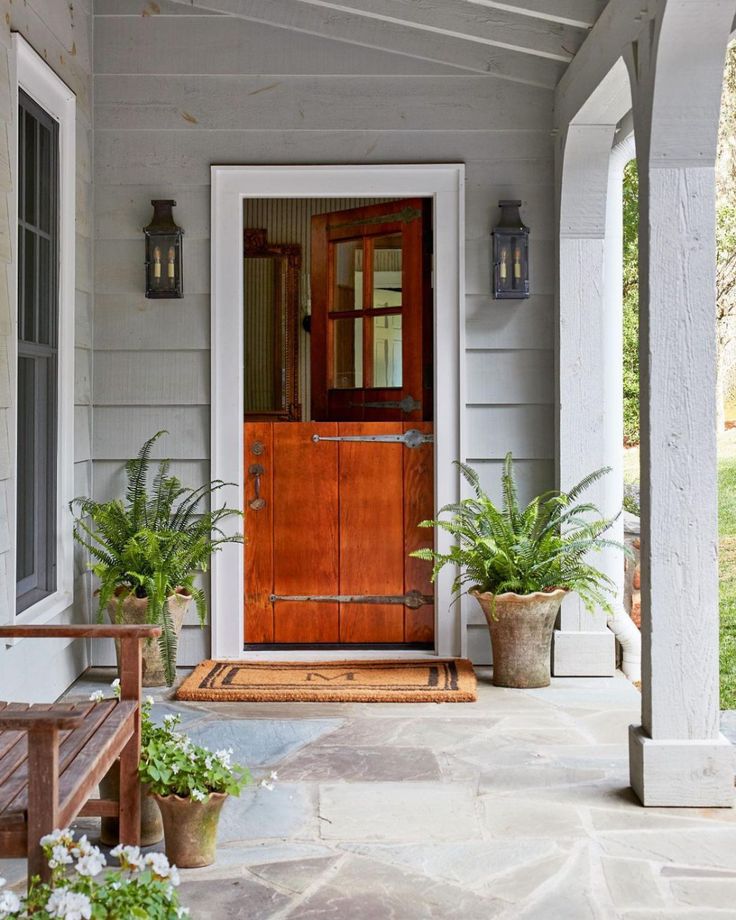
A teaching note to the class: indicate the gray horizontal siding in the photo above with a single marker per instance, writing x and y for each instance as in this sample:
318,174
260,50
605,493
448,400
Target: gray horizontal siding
278,97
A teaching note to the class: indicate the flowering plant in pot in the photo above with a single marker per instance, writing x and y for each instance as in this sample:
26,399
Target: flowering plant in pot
147,551
190,784
144,888
520,563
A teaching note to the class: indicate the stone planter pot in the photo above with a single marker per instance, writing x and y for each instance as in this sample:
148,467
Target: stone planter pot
190,828
521,628
135,610
152,827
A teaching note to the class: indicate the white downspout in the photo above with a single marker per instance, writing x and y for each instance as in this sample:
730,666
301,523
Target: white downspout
619,622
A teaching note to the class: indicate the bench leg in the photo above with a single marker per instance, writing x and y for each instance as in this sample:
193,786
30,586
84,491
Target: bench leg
130,793
43,795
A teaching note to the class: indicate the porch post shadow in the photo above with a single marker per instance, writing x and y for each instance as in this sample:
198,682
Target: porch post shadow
677,755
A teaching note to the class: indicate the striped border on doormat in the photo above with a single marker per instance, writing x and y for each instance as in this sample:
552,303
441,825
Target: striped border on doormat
429,680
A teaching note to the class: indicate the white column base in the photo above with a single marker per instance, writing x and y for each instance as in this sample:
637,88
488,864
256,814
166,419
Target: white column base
584,654
689,774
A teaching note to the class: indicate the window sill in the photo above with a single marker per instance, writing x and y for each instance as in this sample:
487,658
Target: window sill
43,611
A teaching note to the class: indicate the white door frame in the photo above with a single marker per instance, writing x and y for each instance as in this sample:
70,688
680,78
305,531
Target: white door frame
231,185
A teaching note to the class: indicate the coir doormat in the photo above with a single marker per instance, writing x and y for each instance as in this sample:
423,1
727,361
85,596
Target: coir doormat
443,680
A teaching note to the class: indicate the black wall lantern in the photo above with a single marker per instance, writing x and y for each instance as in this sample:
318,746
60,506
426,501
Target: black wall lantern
510,254
163,252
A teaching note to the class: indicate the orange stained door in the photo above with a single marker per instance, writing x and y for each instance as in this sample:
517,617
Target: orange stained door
333,506
329,527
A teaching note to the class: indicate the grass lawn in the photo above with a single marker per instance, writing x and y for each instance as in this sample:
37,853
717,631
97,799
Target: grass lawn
727,555
727,530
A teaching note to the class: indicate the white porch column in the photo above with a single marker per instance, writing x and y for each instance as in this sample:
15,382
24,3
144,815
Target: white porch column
677,755
589,367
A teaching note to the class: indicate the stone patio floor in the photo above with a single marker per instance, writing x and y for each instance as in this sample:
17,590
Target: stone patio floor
516,806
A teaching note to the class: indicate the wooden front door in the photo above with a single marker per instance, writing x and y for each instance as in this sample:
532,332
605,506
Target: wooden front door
332,506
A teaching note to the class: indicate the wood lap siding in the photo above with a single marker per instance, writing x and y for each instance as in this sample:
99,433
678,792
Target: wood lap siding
167,108
62,34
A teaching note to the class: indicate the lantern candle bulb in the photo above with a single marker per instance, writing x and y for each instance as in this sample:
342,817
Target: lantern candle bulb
517,264
157,263
502,268
171,264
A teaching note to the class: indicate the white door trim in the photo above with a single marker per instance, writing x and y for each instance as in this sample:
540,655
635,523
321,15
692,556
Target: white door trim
444,183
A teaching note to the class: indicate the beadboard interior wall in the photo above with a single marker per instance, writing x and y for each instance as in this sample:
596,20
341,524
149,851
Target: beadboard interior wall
177,90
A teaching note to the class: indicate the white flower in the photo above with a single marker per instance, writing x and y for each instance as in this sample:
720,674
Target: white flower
115,687
274,775
60,856
56,837
224,756
182,912
198,795
69,905
159,865
97,697
150,700
208,762
175,768
9,902
266,785
128,856
91,864
170,720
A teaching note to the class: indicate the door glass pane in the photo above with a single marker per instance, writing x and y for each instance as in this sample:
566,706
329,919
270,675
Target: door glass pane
347,353
262,384
387,271
347,293
387,351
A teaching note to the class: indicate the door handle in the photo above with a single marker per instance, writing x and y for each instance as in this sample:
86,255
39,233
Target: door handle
256,503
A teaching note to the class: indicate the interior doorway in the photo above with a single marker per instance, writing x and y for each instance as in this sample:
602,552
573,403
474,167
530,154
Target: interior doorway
338,397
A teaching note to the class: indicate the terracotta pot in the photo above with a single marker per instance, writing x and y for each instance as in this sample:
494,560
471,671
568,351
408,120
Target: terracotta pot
190,828
521,628
152,827
135,610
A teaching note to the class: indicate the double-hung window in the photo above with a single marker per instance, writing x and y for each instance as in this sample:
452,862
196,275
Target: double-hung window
44,252
38,324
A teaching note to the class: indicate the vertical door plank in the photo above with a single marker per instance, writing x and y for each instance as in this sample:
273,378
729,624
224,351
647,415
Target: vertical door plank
418,506
371,533
305,538
258,527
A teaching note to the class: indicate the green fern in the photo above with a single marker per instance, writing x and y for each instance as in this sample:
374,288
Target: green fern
153,543
546,545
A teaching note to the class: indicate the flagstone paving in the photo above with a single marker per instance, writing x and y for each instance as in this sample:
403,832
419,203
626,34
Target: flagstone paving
516,807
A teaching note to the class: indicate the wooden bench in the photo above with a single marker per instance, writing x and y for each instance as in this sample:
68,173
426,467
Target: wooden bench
53,756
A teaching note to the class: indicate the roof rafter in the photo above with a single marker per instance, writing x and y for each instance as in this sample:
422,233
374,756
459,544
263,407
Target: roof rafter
581,14
473,23
352,28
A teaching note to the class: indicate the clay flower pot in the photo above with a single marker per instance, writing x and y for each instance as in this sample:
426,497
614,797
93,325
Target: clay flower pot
521,635
152,828
190,828
134,610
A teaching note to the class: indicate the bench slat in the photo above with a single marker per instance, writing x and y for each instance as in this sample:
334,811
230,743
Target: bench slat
70,742
92,763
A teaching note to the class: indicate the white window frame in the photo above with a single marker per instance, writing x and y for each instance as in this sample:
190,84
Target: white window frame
231,185
33,75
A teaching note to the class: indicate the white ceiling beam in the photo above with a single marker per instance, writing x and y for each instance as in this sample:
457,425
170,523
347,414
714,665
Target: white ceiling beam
354,29
474,23
620,23
580,14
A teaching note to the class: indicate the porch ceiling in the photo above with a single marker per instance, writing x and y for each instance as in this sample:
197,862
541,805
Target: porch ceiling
527,41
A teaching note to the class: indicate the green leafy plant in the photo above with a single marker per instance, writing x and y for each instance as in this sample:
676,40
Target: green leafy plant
144,887
171,764
153,543
537,548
